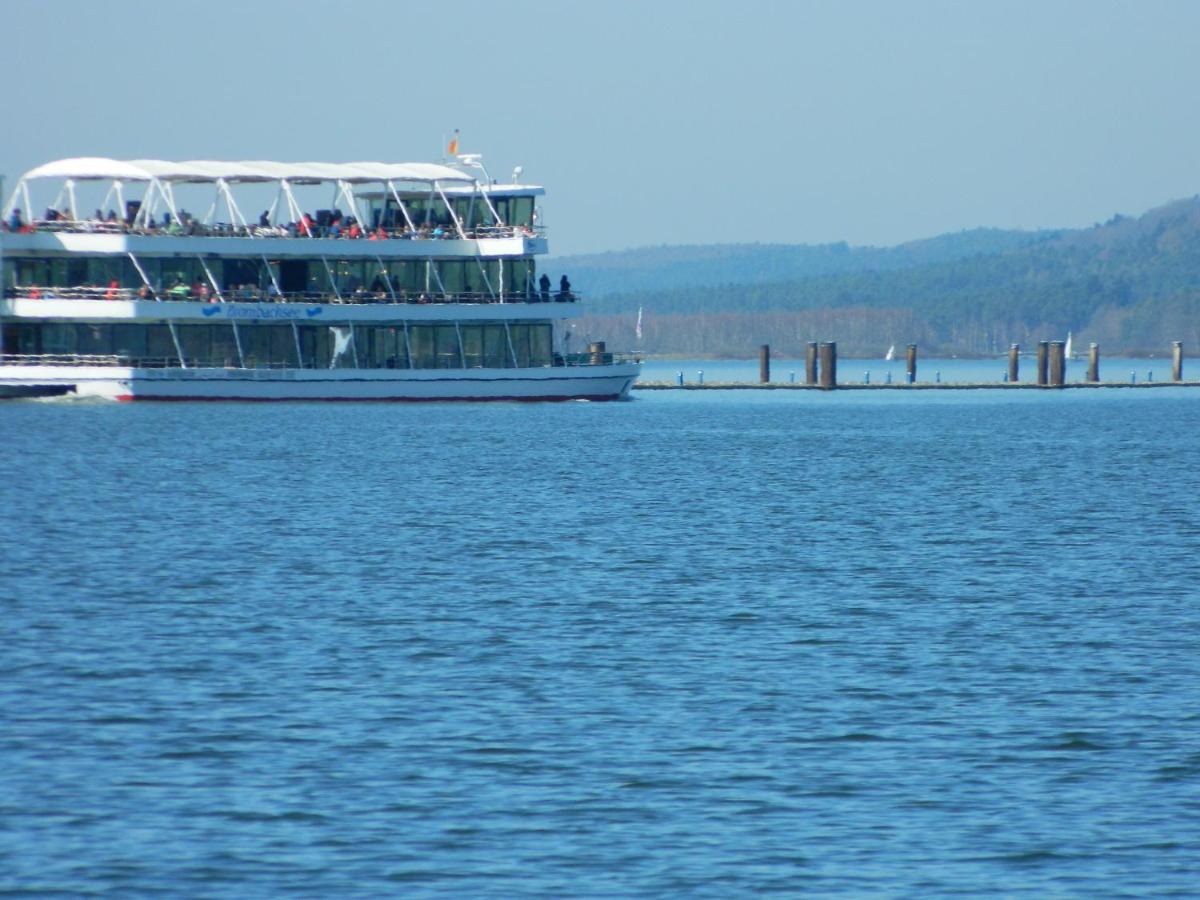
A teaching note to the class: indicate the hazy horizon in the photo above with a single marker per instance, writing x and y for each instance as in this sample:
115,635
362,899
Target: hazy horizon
816,123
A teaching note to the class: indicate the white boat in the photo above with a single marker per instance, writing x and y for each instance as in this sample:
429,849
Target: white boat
418,282
891,353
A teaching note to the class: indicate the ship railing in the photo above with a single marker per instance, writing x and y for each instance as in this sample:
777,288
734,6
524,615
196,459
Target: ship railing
291,230
595,359
87,359
202,294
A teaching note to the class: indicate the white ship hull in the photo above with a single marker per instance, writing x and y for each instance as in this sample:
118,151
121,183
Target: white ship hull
610,382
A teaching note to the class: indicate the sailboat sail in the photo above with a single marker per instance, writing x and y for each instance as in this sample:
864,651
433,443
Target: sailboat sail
1068,351
891,354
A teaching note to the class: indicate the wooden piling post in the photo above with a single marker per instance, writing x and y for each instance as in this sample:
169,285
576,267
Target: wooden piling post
1014,362
1093,375
828,367
810,363
1177,360
911,363
596,349
1058,363
1043,359
764,364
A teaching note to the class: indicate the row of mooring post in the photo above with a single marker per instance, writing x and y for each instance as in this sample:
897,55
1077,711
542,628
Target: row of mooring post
820,363
1052,363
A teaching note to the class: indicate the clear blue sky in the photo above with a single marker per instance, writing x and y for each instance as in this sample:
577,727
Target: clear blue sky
648,123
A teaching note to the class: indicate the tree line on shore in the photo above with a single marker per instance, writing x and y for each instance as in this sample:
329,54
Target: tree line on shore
1131,285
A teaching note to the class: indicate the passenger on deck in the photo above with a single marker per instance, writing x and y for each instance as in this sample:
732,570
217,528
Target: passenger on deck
306,225
564,289
544,285
114,290
264,221
198,289
354,231
15,222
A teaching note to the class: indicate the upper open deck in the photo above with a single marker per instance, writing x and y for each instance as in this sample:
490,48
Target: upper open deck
337,209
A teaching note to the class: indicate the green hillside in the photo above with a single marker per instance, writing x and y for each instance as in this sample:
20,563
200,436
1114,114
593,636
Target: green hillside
1130,284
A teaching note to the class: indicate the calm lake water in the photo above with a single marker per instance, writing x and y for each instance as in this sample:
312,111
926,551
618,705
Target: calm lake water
711,645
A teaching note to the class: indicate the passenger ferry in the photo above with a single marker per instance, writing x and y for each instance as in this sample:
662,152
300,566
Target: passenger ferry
413,281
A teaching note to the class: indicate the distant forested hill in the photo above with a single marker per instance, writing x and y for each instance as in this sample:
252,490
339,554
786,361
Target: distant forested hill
1131,284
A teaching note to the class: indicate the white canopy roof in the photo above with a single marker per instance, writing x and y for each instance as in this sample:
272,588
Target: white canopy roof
91,168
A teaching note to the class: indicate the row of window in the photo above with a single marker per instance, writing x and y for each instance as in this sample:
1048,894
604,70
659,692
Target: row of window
316,276
471,211
393,346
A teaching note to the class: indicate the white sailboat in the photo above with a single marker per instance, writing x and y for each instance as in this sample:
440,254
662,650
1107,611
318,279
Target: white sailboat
1068,352
891,354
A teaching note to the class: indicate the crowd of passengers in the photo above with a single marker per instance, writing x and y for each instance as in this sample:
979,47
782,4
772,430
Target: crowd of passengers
200,291
331,225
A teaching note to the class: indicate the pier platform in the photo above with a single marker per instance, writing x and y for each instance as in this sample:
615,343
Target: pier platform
918,386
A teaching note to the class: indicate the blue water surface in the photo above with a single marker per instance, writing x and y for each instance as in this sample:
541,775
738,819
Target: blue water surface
711,645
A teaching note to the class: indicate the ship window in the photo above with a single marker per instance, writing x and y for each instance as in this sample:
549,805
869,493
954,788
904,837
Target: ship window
495,348
93,340
472,338
453,275
522,211
446,347
129,341
416,209
541,351
315,344
58,337
407,276
394,354
267,345
238,272
520,342
349,276
32,271
29,339
160,347
516,276
420,337
208,345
